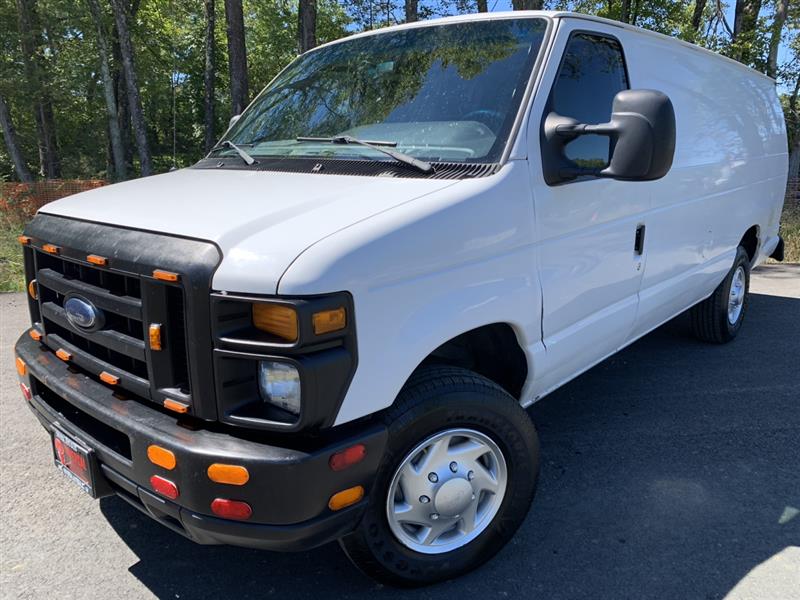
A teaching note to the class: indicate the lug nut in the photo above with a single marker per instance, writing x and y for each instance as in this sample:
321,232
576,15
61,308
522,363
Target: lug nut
471,475
434,516
454,466
433,477
424,499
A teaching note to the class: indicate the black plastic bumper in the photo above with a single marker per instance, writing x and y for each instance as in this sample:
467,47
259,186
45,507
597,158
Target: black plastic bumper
288,489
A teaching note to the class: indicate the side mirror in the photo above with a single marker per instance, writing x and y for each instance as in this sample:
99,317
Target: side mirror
642,134
233,120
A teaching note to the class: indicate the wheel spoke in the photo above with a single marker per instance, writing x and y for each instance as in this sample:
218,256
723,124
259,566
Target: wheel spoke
469,516
484,480
469,450
411,512
413,484
431,533
435,454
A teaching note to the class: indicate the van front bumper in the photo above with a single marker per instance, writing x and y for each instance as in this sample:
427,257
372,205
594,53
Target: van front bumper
288,489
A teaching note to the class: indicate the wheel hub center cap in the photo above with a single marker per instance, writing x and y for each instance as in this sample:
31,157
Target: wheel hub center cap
453,497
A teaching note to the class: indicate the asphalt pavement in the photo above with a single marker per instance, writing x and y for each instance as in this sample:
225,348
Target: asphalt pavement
671,470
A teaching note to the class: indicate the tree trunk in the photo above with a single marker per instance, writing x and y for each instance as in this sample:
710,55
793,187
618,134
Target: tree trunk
412,13
483,6
625,12
209,77
237,56
30,34
794,133
307,24
114,133
697,15
134,99
744,27
527,4
781,8
10,137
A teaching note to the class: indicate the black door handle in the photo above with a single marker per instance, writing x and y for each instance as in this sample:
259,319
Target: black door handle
638,244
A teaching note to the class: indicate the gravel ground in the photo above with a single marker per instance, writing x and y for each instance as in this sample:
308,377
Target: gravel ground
669,471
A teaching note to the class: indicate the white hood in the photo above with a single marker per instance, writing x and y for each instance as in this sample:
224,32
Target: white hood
260,220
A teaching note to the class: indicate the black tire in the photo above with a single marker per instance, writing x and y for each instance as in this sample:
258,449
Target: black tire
710,321
433,400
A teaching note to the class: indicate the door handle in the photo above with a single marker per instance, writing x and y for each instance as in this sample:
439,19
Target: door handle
638,243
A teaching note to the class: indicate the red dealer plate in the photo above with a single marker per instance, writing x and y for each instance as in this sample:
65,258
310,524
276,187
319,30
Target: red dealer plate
74,461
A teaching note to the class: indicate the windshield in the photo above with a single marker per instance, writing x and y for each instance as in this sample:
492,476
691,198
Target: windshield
447,93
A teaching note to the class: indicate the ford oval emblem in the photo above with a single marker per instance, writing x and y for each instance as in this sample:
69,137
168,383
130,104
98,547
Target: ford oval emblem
82,314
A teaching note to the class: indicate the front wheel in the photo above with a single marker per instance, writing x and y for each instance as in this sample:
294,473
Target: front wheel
456,482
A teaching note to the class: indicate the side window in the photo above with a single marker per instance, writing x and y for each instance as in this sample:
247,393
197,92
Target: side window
591,74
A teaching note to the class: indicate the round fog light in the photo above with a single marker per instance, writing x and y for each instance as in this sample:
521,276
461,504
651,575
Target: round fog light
279,384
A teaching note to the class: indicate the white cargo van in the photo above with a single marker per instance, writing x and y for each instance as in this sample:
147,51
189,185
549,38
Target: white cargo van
330,326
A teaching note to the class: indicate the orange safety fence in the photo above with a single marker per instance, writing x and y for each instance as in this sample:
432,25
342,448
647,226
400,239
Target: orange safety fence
20,201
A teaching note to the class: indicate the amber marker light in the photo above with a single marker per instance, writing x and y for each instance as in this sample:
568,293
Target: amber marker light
22,368
154,332
228,474
24,240
175,406
161,457
63,354
52,249
329,320
109,378
165,275
276,319
35,335
346,498
101,261
33,289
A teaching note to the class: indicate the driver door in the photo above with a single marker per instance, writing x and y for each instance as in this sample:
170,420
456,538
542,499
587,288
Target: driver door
589,268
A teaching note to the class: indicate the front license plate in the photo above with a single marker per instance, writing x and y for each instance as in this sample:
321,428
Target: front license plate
74,460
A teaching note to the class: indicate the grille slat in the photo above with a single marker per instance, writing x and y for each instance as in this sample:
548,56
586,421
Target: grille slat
125,306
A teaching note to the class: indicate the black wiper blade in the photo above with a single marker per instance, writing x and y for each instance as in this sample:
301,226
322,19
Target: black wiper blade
229,144
379,146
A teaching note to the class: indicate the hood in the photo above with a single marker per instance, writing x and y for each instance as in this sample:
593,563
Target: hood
260,220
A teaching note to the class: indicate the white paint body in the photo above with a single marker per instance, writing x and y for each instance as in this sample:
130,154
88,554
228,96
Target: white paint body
427,260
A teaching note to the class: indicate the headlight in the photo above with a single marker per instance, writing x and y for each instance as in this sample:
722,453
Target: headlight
279,384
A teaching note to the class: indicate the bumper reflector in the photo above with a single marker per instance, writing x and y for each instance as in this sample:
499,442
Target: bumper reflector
347,457
228,474
231,509
35,335
63,354
26,391
346,498
164,487
161,457
22,368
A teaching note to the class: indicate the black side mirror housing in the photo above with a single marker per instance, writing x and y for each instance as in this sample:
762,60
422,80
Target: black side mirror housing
642,134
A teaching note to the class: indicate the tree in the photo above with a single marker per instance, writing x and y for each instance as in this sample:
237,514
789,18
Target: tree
114,132
307,24
697,15
237,56
209,75
483,6
132,87
412,12
745,22
30,33
781,11
12,144
527,4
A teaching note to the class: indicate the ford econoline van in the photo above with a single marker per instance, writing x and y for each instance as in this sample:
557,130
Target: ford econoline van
329,327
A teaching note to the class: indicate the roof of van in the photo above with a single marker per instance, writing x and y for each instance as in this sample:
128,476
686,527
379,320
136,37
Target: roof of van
552,14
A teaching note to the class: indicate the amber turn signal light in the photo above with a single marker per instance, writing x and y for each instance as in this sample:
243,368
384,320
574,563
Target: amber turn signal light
22,368
161,457
175,406
329,320
228,474
52,249
63,354
346,498
276,319
165,275
154,332
109,378
101,261
33,289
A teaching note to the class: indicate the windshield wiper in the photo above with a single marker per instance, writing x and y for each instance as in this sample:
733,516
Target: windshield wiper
420,165
229,144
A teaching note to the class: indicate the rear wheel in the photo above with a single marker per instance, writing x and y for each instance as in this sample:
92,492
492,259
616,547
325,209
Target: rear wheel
457,479
718,318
